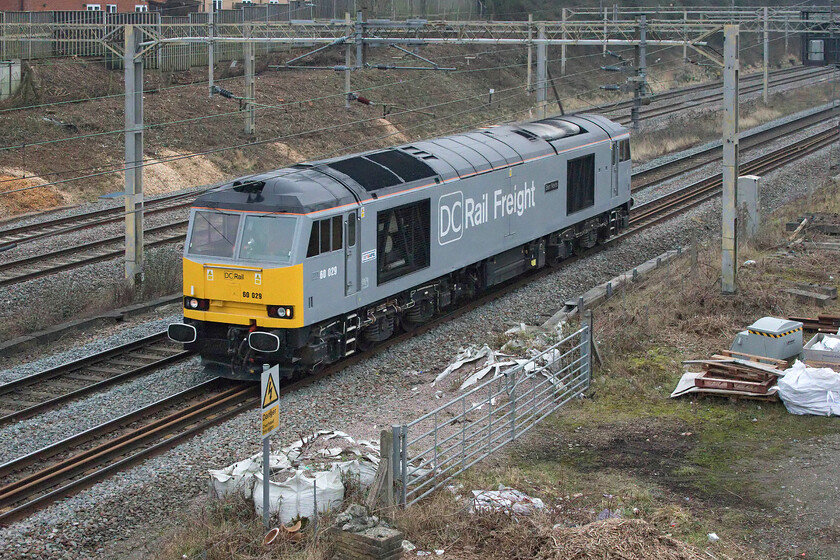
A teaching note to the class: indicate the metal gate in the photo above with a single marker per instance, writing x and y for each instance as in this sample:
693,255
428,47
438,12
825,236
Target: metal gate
431,450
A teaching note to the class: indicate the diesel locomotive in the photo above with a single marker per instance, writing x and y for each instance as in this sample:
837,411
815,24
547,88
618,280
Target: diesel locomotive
303,266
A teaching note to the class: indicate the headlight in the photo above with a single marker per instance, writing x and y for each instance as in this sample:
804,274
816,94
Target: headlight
280,311
197,304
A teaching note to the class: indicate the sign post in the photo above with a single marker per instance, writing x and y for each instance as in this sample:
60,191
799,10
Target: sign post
270,399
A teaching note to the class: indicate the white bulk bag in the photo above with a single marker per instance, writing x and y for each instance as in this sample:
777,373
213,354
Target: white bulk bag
364,469
240,476
294,497
806,390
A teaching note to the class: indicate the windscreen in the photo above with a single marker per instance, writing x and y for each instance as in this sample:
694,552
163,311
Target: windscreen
268,238
213,234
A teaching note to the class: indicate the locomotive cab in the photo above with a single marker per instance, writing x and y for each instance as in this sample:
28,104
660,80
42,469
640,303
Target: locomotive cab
242,286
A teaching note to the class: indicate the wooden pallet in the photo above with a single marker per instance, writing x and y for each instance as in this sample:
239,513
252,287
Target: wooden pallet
752,358
739,375
817,364
708,381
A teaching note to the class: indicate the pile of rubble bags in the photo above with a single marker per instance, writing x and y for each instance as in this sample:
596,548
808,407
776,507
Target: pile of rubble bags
309,471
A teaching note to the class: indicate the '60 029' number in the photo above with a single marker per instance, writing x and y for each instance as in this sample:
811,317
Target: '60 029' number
251,295
331,271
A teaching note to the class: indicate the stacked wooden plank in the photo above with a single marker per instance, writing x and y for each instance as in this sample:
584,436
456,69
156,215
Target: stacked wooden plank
827,323
740,375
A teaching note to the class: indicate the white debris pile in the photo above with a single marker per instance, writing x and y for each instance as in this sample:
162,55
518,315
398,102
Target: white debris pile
506,500
827,344
469,366
809,390
311,469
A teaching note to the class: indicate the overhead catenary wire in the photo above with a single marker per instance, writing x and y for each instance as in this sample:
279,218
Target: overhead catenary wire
269,107
118,168
261,107
339,95
388,135
196,83
280,138
298,102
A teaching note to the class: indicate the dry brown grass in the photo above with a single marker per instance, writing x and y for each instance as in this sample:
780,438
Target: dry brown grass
13,203
229,529
685,133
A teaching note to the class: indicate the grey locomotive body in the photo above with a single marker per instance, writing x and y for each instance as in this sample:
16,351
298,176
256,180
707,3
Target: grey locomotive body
387,239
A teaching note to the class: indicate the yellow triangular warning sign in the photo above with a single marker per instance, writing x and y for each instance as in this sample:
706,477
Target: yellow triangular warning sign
270,393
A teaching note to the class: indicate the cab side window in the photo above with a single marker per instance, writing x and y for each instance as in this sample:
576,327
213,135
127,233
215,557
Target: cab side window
624,150
326,235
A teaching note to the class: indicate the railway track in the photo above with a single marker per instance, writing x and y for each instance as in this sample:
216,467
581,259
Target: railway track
80,461
717,96
34,394
666,171
20,270
64,468
689,196
800,71
28,268
11,237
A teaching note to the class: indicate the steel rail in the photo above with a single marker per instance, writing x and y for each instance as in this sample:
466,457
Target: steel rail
84,376
712,98
87,467
66,259
13,467
802,72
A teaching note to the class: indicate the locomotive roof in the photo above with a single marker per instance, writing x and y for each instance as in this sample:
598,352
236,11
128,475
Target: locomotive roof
330,183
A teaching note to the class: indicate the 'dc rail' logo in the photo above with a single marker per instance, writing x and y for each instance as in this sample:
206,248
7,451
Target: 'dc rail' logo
450,217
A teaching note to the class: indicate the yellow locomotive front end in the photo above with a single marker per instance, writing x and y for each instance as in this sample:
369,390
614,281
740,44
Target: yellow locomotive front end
243,293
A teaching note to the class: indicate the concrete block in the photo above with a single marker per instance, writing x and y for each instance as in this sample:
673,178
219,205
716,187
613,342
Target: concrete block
809,298
830,291
376,543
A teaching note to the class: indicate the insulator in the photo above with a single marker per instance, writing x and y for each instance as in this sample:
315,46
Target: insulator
223,92
364,100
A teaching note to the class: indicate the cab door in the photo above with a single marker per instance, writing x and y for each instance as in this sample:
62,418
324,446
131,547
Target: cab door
351,254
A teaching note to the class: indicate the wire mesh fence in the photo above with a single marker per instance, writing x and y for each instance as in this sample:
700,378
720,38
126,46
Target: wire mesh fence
436,447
